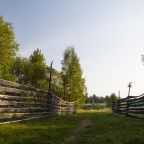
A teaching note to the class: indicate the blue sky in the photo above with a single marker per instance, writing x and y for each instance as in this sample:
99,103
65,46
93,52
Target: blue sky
108,36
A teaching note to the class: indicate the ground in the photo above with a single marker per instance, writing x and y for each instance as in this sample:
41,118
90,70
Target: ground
84,127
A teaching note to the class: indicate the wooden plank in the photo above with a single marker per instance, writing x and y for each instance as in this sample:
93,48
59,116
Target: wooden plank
20,86
13,84
136,101
16,115
123,100
136,112
136,108
25,119
21,98
21,110
19,91
122,104
14,90
137,105
21,104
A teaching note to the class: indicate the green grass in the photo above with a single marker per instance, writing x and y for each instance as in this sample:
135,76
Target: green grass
107,128
104,128
49,130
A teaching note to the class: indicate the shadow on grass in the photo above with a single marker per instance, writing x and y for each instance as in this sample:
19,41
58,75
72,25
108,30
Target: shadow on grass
50,130
105,128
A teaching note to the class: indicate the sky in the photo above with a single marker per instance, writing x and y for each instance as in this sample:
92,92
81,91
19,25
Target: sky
108,36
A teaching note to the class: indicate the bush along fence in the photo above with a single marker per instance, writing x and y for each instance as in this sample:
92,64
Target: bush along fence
21,101
130,106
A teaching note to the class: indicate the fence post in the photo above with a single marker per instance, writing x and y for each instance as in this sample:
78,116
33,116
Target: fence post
113,107
127,110
118,109
75,107
49,103
50,77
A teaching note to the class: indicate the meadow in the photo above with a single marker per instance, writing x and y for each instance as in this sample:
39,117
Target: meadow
84,127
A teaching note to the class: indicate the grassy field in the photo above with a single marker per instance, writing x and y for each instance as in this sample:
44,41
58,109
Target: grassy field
85,127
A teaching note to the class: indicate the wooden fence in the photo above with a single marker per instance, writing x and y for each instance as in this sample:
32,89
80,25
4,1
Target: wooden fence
130,106
17,100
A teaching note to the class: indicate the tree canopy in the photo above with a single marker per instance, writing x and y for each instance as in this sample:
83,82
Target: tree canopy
32,70
108,100
73,81
8,49
68,83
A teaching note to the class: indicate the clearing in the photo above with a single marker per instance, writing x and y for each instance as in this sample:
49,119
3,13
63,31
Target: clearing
85,127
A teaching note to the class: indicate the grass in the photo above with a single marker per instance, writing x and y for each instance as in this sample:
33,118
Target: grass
104,128
50,130
107,128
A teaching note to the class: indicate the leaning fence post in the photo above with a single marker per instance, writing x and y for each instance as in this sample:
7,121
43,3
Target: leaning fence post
49,99
50,77
75,104
49,103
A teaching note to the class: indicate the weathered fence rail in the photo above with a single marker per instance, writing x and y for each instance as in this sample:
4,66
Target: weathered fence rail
130,106
17,100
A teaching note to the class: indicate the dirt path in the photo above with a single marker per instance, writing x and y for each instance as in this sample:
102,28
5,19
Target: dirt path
76,134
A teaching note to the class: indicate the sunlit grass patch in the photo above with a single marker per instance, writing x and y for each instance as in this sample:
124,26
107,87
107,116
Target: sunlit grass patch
94,111
103,128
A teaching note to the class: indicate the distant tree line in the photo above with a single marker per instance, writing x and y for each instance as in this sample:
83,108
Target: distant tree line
100,99
68,83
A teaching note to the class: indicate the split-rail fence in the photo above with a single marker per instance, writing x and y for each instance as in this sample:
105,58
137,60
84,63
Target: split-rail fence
130,106
22,101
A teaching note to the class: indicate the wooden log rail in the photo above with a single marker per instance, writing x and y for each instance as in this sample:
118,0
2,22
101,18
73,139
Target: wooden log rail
17,100
130,106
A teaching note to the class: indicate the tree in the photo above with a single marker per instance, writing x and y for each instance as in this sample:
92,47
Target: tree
32,70
37,72
110,99
107,99
20,70
72,76
57,83
113,97
8,49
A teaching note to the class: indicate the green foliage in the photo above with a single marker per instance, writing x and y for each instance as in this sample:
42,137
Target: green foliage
97,99
8,49
20,69
32,70
93,106
57,83
37,70
110,99
72,76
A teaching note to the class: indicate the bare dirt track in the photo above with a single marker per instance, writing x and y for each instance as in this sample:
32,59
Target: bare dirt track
76,134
